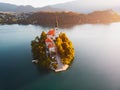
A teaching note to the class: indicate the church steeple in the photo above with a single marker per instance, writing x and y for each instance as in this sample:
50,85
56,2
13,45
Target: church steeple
56,23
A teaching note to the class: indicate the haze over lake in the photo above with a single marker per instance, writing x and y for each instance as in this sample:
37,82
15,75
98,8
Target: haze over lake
96,65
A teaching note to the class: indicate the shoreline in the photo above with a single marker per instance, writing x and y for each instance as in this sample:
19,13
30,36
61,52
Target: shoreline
63,68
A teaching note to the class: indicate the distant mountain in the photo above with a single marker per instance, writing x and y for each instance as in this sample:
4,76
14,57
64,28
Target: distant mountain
5,7
85,6
117,9
49,9
88,6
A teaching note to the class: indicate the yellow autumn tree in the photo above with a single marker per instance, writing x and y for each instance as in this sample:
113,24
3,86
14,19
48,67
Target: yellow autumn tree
65,48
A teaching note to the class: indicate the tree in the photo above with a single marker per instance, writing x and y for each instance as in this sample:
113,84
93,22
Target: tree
65,48
39,50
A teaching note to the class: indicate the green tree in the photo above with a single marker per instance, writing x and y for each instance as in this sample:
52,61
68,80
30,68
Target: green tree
39,50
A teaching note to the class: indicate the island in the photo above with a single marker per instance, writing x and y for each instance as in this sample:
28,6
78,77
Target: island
53,50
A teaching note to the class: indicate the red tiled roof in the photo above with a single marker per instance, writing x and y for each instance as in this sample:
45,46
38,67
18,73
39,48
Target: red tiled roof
50,45
51,32
48,40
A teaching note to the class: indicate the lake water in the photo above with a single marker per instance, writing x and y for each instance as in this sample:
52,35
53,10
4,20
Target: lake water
96,65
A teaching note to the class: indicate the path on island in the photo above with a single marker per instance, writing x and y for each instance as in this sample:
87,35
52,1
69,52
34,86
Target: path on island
61,66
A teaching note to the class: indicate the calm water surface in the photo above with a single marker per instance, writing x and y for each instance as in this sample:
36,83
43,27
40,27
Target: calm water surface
96,65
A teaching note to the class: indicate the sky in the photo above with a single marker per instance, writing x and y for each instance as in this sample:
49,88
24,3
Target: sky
96,3
82,3
35,3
